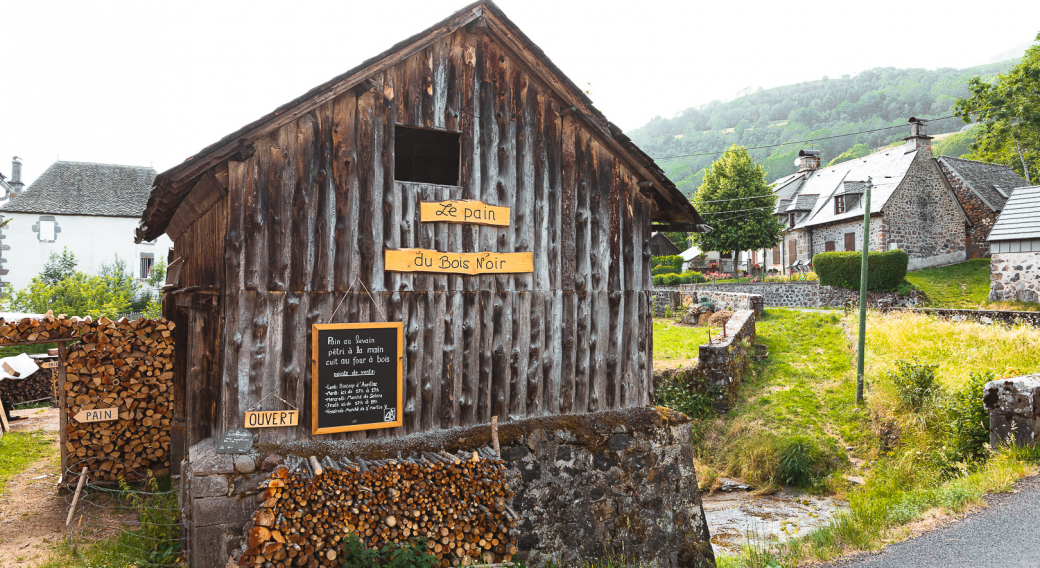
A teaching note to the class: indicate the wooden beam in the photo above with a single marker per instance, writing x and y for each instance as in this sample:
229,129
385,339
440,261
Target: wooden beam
206,193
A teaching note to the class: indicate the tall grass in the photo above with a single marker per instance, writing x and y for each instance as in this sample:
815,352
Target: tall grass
957,348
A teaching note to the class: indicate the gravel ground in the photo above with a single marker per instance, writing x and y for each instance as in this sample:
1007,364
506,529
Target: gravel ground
1006,534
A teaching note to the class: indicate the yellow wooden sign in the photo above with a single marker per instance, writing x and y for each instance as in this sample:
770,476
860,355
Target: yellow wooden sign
464,211
49,365
98,415
423,260
272,418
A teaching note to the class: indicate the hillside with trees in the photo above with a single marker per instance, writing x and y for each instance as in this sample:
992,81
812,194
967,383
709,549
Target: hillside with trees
873,99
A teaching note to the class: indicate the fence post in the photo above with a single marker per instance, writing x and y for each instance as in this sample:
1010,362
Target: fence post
863,293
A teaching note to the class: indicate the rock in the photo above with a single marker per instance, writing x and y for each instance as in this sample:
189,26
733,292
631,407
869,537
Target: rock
1027,296
271,462
245,464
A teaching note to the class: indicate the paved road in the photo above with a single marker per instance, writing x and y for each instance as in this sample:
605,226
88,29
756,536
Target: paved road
1007,534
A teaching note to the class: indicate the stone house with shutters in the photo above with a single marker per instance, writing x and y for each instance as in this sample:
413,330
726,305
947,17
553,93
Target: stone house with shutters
89,209
1014,243
919,203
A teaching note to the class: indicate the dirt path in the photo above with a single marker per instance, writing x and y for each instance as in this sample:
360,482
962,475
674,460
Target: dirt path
32,509
32,514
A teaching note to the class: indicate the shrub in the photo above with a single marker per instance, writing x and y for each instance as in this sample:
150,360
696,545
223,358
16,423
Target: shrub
885,270
663,269
681,397
672,279
969,421
672,260
915,382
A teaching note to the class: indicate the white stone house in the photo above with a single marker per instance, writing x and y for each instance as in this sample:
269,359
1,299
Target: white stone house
1014,244
89,209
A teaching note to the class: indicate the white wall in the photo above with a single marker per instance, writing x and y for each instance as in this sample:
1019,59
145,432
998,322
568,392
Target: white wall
94,240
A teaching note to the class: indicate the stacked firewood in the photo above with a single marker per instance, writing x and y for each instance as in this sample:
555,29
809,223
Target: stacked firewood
126,365
41,330
37,386
456,506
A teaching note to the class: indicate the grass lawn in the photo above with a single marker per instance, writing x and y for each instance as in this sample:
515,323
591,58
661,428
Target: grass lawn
958,286
18,450
962,286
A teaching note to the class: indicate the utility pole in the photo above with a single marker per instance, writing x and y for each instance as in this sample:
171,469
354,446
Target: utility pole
863,294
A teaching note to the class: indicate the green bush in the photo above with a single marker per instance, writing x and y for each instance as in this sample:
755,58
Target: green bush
409,554
915,382
969,421
671,260
663,269
672,279
885,270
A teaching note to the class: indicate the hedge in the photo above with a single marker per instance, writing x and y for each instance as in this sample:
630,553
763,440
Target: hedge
689,277
671,260
664,269
885,270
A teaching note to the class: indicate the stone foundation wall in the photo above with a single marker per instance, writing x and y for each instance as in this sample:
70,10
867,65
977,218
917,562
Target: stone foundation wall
1014,410
726,300
1015,276
617,483
665,298
987,317
800,295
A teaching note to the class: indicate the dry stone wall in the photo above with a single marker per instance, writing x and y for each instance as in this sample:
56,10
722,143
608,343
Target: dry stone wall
1014,410
800,295
1015,276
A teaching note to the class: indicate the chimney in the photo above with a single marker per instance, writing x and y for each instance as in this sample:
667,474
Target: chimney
16,177
919,137
808,160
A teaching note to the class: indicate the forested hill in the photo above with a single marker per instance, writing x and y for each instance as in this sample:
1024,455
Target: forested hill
872,99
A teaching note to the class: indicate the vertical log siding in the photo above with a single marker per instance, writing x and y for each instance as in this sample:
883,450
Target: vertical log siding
310,213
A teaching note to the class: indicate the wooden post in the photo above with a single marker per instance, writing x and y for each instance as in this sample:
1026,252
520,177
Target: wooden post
4,426
63,418
494,436
75,498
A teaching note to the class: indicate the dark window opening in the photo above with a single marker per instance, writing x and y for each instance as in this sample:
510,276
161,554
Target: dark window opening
426,156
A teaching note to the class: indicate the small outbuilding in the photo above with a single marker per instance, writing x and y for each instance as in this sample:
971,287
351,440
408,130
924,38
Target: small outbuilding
1014,244
449,232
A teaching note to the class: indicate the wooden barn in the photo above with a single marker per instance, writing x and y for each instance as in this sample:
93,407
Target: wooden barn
319,213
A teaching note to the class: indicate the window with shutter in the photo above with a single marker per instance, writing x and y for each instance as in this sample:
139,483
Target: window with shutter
850,241
839,204
147,260
792,252
776,255
828,246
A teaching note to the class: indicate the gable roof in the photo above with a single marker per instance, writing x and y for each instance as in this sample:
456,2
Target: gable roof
993,183
84,188
1020,218
173,185
816,189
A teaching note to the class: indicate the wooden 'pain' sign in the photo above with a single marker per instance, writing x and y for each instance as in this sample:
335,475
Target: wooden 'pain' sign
424,260
97,415
463,211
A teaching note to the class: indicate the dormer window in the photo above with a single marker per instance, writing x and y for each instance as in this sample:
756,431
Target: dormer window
790,220
839,204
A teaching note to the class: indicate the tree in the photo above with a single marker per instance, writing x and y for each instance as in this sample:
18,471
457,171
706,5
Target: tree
59,267
1009,111
737,203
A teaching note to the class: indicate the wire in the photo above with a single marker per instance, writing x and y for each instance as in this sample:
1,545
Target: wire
738,210
809,140
736,199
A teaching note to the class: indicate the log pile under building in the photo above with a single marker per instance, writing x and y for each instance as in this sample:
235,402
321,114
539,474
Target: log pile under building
455,506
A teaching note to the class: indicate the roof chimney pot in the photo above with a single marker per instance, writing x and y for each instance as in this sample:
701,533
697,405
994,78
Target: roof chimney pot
16,177
919,138
808,160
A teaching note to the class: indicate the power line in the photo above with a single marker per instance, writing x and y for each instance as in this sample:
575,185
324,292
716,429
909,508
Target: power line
810,140
736,199
737,210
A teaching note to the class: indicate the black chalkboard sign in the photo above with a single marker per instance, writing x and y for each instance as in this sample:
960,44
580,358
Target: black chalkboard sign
235,441
356,376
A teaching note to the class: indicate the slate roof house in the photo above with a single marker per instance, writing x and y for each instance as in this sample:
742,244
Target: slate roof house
1015,247
982,190
937,210
86,208
661,245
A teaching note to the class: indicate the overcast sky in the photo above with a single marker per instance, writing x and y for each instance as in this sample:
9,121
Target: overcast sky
151,83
